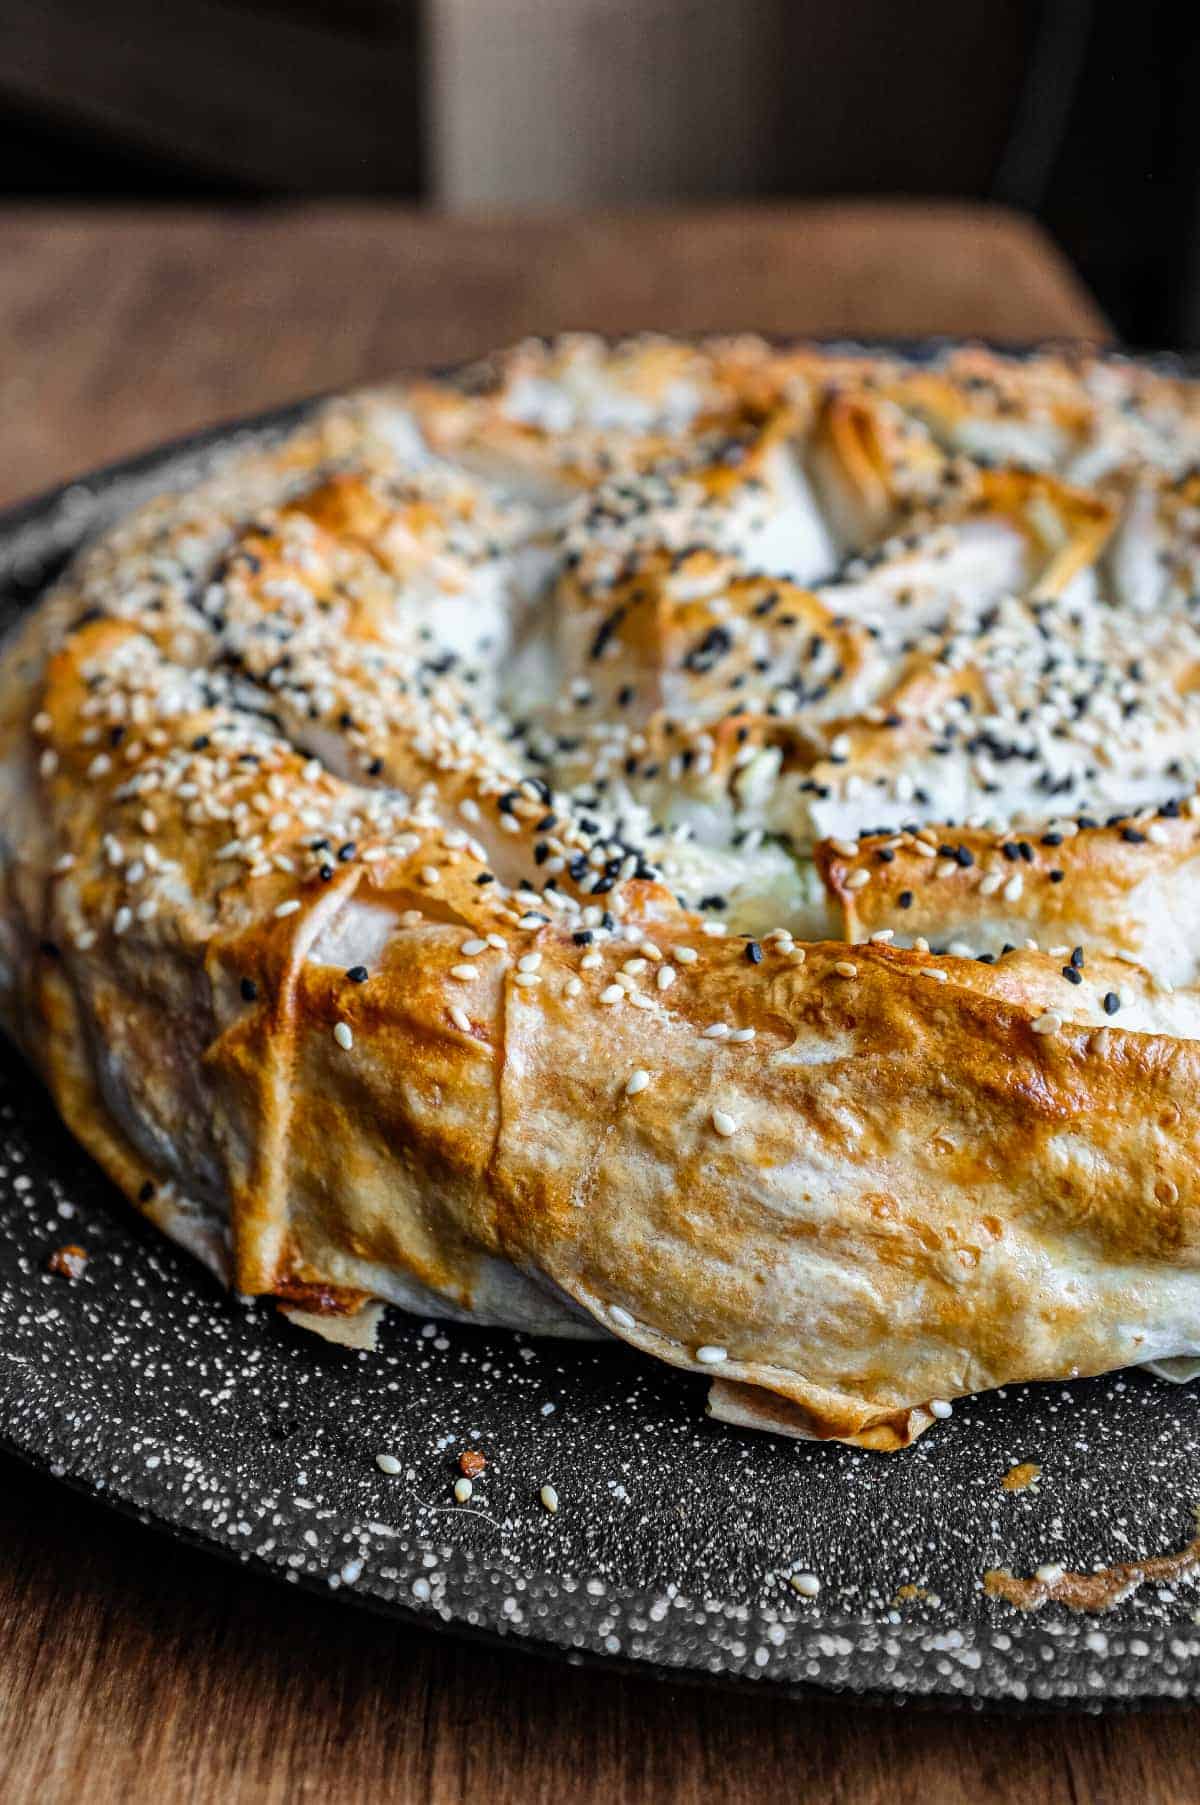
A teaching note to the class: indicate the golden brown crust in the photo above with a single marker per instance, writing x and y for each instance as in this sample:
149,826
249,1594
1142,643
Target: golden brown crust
373,969
1127,886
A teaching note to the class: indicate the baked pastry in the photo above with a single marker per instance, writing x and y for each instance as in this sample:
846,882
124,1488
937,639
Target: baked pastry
695,843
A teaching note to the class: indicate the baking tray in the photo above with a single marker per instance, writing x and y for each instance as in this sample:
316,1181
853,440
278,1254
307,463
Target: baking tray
209,1417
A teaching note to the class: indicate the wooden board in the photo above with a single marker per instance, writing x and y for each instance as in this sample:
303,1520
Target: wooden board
119,329
132,1670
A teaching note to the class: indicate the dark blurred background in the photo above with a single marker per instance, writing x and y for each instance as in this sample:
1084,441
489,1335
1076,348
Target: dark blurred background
1080,113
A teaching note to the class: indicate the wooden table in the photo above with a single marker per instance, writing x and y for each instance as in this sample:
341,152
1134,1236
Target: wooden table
118,329
131,1670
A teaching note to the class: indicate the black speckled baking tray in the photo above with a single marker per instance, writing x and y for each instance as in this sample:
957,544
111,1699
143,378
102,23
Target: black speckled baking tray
674,1538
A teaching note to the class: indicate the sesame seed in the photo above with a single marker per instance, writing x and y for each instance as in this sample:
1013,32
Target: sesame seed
430,874
724,1123
665,977
846,968
1047,1023
460,1018
591,962
527,979
807,1584
463,1490
686,955
387,1463
472,946
1050,1573
711,1356
637,1082
742,1034
344,1035
549,1499
465,973
940,1408
858,879
529,961
286,908
715,1031
931,971
613,994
